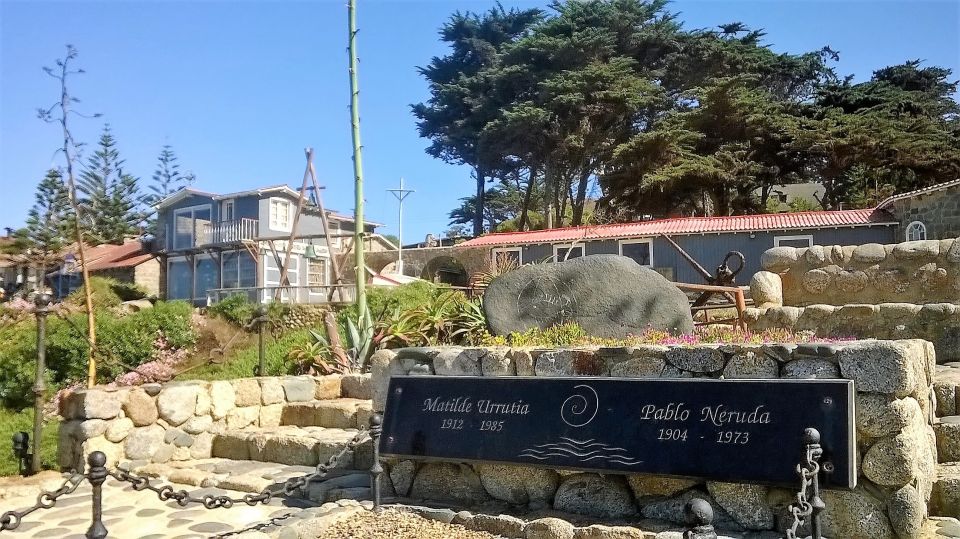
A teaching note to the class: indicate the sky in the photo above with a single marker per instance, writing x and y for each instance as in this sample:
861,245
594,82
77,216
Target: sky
240,88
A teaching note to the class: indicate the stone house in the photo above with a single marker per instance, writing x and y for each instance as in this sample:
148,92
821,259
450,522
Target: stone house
215,245
931,213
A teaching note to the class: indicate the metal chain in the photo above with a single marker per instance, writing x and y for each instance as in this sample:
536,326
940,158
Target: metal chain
11,519
802,509
183,498
291,486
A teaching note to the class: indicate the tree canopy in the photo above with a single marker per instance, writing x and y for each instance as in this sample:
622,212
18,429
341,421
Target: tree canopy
616,100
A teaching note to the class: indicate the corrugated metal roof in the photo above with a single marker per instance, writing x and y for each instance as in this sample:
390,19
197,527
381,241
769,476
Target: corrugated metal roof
690,225
107,256
925,190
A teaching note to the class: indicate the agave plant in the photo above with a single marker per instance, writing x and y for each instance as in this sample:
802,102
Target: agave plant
399,329
317,357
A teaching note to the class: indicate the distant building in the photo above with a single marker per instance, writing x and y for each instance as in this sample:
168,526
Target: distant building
787,195
932,213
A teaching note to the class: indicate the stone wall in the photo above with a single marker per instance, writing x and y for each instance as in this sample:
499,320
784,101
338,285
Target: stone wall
179,420
939,211
908,290
300,316
895,438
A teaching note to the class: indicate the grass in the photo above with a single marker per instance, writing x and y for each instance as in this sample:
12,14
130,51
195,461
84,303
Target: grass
12,422
241,362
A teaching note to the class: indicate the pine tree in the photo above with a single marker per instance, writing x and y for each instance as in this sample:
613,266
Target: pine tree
110,197
49,219
167,179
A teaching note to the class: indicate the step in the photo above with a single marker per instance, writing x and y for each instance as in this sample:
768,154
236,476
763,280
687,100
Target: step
947,431
292,445
945,498
344,413
946,385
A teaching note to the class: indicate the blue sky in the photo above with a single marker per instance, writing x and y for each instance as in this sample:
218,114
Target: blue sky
240,88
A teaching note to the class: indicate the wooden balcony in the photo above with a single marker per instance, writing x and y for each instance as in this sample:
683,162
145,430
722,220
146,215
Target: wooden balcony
228,231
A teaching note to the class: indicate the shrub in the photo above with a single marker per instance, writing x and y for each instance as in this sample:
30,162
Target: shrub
128,291
102,289
236,309
241,362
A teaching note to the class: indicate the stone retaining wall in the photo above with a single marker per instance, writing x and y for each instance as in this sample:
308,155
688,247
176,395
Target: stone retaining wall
179,420
896,445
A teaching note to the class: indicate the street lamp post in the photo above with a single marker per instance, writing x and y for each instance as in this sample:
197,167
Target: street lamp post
401,194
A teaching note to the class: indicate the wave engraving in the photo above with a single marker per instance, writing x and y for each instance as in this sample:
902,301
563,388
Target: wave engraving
580,451
580,408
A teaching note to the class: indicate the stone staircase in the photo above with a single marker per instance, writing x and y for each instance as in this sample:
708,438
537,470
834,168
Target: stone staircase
945,499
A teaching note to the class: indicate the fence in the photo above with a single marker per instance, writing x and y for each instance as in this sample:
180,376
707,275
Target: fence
287,294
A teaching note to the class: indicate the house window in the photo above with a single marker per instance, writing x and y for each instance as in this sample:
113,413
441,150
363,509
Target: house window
280,214
206,277
505,259
226,211
793,241
916,231
190,226
566,252
317,275
641,251
239,270
179,279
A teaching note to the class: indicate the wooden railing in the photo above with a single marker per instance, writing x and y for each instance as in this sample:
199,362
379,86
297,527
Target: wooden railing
739,303
287,294
229,231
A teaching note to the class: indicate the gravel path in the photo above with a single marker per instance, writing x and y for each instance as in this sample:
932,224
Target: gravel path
397,525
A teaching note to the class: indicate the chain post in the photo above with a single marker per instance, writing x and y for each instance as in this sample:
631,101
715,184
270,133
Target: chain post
811,438
21,450
699,516
42,302
261,319
97,474
376,469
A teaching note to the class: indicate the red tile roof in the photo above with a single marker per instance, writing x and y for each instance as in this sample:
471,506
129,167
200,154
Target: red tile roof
689,225
131,253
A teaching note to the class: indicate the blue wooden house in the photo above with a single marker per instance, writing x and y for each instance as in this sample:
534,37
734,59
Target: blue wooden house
215,245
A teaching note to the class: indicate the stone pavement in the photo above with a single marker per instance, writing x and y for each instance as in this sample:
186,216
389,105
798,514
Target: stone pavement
131,514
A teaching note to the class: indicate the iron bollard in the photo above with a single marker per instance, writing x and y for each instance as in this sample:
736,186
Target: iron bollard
42,302
699,516
376,469
260,318
21,450
97,474
811,437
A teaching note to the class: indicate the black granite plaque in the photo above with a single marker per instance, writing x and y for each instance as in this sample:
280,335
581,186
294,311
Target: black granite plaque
723,430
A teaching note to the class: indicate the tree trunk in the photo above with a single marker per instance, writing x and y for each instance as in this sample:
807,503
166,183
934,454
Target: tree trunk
581,198
478,209
524,212
548,183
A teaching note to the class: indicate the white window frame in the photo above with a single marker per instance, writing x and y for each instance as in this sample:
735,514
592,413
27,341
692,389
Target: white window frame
193,235
293,275
230,203
272,217
325,279
648,241
808,237
181,259
498,250
915,225
570,246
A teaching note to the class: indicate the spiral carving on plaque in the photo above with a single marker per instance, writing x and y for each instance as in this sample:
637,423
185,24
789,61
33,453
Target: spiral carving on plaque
580,408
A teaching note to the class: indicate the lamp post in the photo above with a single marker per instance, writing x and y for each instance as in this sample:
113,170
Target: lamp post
42,302
401,194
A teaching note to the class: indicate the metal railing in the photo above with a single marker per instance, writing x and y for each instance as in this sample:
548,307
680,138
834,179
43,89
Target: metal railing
287,294
229,231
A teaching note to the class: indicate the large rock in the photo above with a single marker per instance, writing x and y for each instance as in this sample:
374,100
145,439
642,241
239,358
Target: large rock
948,438
578,290
518,484
448,482
881,415
222,398
595,495
751,365
658,485
892,367
141,408
746,504
549,528
177,403
945,499
855,515
766,288
895,460
143,442
778,259
907,512
247,391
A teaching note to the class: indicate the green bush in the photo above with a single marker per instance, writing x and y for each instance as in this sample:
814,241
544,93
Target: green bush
122,341
236,309
241,362
102,289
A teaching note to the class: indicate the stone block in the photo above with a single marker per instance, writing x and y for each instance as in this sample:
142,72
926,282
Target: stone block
639,367
569,363
807,368
778,259
198,424
869,253
356,386
766,289
222,399
448,482
497,362
945,498
202,447
114,452
328,387
549,528
287,449
177,403
143,442
203,401
240,418
595,495
231,445
907,511
401,475
749,364
816,281
855,514
271,390
300,388
270,415
948,438
454,361
523,361
696,359
746,504
94,403
380,368
657,485
499,525
599,531
882,367
118,429
894,461
140,408
247,391
881,415
917,250
518,485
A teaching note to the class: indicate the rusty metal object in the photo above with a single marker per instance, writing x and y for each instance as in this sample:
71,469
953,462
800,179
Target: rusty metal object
724,276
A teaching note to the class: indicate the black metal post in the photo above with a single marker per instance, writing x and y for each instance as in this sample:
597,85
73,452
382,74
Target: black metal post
261,319
376,469
699,516
97,474
21,450
42,302
811,438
